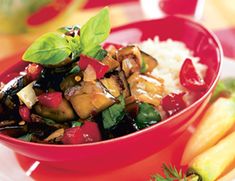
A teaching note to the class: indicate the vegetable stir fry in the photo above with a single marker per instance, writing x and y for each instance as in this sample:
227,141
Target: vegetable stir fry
76,91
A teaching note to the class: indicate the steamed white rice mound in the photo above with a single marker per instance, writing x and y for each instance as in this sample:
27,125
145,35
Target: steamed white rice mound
170,56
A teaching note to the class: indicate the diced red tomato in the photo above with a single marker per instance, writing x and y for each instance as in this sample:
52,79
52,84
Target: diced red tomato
189,77
98,66
24,113
107,44
87,133
33,71
51,99
173,103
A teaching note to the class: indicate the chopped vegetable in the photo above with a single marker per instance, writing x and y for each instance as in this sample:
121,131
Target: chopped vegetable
147,116
51,99
55,134
112,84
173,103
89,74
27,137
90,98
27,95
63,112
146,88
218,119
114,114
24,113
33,71
87,133
99,67
189,78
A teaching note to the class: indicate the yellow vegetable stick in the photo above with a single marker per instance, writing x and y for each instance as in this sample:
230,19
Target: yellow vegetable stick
215,123
229,176
213,162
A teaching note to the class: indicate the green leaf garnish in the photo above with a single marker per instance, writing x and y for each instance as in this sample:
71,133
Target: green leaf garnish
76,123
49,49
144,66
53,48
147,116
95,31
27,137
101,54
114,114
74,70
172,174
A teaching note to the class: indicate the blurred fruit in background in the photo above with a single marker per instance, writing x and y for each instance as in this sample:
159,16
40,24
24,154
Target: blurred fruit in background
21,16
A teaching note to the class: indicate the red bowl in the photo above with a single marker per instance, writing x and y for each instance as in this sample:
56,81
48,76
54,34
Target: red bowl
127,149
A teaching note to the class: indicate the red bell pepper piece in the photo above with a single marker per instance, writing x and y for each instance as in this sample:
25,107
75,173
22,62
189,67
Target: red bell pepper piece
107,44
173,103
51,99
189,77
33,71
87,133
98,66
24,113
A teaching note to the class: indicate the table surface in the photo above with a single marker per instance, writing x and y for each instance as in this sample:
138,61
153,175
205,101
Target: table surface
217,16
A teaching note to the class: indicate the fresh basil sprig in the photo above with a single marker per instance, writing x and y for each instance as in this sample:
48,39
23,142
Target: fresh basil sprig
114,114
52,48
94,32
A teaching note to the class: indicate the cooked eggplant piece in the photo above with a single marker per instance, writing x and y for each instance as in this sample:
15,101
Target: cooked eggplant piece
112,63
14,130
125,86
5,123
90,98
146,88
8,95
112,84
68,82
62,113
131,59
149,61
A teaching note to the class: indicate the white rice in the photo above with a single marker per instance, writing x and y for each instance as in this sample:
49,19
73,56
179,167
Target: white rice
170,56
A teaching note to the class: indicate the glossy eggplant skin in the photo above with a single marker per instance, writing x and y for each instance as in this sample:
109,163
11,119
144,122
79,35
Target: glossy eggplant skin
8,97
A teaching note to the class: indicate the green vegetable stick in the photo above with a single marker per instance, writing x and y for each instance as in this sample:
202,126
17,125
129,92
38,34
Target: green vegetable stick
216,122
213,162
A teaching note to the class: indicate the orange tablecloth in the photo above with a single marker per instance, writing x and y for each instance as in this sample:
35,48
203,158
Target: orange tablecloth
218,15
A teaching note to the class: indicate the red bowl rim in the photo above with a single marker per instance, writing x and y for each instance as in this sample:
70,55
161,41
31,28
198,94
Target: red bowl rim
139,132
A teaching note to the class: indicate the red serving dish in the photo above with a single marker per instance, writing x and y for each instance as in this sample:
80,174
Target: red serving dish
114,153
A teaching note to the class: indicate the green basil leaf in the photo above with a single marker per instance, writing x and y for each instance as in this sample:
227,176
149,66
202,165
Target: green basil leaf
74,43
95,31
114,114
147,116
144,66
101,54
74,70
50,49
76,123
27,137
